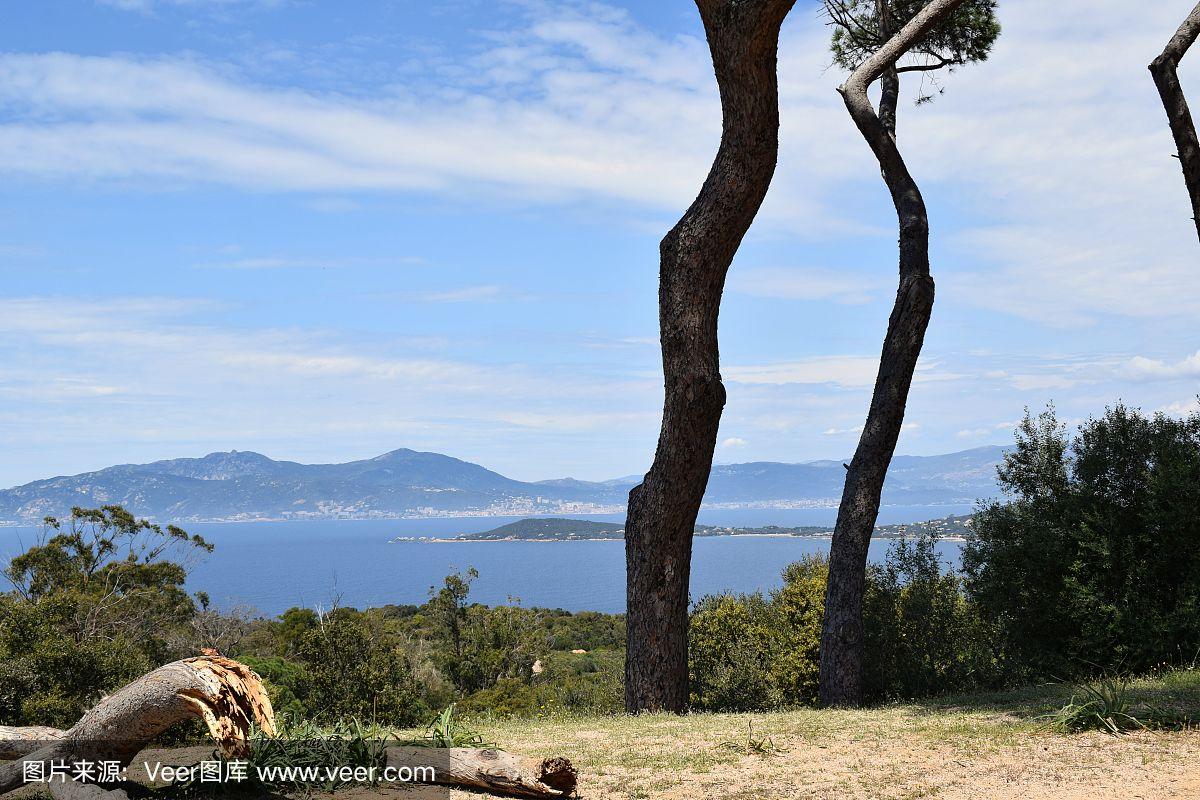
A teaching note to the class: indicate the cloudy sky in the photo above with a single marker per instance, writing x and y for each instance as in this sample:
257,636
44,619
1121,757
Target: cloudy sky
323,230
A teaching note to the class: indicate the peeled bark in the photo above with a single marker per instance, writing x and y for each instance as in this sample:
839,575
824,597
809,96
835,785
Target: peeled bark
743,37
1165,70
842,627
490,770
227,695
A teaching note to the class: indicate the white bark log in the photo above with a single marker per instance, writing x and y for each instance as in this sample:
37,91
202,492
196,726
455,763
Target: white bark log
491,770
227,695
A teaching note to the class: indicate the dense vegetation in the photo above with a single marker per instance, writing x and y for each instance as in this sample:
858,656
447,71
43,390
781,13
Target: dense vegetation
1092,563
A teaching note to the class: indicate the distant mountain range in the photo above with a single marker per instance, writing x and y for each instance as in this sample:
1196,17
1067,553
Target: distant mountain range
406,483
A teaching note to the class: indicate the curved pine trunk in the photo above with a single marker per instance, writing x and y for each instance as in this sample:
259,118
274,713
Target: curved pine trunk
743,37
1165,70
842,627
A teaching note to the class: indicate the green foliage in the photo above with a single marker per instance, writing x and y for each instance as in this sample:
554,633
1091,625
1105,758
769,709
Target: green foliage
1102,705
1095,561
800,604
287,683
448,730
94,605
965,36
733,648
591,682
922,636
353,671
507,697
304,745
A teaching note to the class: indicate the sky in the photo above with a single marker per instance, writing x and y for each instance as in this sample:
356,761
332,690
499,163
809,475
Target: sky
324,230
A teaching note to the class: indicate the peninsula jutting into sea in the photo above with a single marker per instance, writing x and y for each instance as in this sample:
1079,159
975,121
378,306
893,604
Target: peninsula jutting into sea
557,529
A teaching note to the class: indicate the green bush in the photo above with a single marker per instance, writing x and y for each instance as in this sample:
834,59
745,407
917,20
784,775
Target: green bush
507,697
95,603
800,607
354,673
1094,561
921,636
734,645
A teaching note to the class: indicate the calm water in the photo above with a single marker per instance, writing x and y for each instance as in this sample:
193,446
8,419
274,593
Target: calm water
273,566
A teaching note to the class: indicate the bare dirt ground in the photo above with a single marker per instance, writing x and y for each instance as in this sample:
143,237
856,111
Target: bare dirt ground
897,756
997,748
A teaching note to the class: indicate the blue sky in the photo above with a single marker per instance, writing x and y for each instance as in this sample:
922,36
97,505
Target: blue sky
324,230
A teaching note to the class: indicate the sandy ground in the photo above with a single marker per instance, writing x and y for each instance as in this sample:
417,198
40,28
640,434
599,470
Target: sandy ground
894,754
891,753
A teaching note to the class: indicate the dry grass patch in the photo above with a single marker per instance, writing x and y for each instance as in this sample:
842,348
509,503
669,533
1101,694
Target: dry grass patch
996,747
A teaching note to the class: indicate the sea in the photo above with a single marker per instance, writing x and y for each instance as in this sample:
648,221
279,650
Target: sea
269,567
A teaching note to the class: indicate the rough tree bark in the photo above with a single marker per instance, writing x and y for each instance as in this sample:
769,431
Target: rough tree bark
1165,70
842,628
743,37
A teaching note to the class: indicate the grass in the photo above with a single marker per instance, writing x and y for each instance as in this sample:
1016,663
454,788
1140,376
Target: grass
449,730
983,745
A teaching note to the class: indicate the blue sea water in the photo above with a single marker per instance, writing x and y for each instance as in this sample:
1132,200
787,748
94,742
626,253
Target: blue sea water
272,566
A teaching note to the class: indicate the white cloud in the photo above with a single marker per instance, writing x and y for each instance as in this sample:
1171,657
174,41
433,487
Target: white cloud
1065,189
465,294
842,431
805,283
1181,408
734,441
1142,368
844,371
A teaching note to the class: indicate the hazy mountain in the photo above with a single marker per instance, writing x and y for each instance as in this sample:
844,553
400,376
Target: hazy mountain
244,485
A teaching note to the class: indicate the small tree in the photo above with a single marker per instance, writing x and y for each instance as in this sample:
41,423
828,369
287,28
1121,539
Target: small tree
743,37
1093,561
448,611
938,33
1165,70
94,604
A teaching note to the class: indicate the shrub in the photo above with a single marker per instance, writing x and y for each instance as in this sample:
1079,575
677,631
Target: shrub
95,604
734,647
1095,559
922,636
352,673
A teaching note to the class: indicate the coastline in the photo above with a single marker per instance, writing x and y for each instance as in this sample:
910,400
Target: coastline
806,536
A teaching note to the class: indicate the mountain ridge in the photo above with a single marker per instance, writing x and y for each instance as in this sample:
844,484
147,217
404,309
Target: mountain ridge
246,485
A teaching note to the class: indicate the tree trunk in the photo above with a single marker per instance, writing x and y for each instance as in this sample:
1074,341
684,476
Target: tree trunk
1165,70
227,695
490,770
889,81
743,37
842,628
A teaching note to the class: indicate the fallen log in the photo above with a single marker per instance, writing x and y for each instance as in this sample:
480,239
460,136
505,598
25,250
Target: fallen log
230,698
227,695
487,769
16,742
